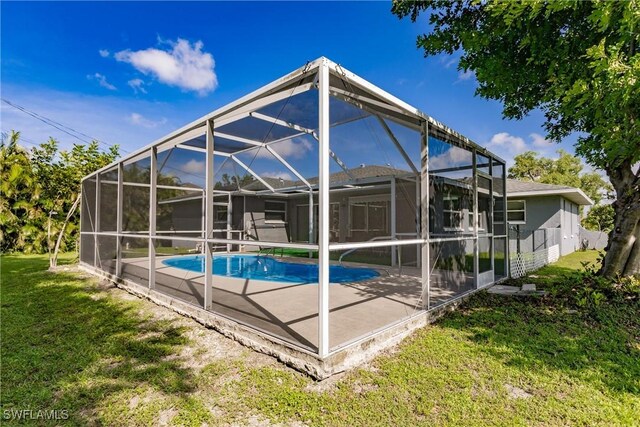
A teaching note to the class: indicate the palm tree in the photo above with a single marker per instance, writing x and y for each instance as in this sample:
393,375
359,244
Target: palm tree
21,217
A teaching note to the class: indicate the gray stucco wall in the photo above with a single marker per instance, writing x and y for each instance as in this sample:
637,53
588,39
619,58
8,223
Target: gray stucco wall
257,228
552,212
570,227
541,212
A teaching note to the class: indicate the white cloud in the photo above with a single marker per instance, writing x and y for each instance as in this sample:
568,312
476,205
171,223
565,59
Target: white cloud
194,166
454,156
137,85
465,75
184,65
296,148
508,146
140,120
448,60
539,141
503,144
102,81
104,53
507,143
280,175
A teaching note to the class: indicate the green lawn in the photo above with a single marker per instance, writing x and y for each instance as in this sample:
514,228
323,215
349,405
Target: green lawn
112,359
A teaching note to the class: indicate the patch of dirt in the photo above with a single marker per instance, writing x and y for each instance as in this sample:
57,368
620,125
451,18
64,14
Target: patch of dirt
326,386
165,417
258,421
361,388
516,392
204,345
133,402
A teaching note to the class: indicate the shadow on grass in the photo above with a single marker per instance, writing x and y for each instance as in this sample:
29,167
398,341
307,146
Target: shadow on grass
531,333
67,346
545,277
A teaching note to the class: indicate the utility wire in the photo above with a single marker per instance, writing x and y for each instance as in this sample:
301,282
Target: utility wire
80,136
72,132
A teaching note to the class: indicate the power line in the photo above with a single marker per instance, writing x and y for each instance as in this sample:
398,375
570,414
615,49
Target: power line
61,127
80,136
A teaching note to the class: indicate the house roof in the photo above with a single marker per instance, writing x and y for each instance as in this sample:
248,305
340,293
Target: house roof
517,188
276,183
363,172
360,173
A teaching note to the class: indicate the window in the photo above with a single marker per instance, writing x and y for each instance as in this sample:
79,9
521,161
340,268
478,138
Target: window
377,216
452,213
358,216
516,211
275,210
369,216
334,219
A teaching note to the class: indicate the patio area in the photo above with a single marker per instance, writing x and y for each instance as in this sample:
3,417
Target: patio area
284,309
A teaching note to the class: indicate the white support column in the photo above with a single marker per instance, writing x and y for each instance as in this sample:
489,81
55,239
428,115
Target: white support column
208,222
424,215
491,221
311,218
96,249
119,203
229,221
311,221
323,205
418,225
393,221
152,216
507,265
476,251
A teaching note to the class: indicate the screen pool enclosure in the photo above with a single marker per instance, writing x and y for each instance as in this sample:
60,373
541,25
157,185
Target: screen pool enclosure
319,217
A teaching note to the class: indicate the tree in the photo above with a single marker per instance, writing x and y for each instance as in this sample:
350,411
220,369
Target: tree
41,192
63,174
599,218
565,170
578,62
233,181
21,216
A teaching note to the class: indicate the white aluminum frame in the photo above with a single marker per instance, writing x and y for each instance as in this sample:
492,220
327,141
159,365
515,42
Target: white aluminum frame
323,211
376,102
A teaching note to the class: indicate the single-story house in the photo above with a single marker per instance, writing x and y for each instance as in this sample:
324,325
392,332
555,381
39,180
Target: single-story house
538,214
544,214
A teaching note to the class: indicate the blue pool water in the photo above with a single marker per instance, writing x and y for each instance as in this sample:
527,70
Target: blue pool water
268,268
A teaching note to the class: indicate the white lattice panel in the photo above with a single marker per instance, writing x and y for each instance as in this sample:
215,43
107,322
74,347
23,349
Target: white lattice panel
523,263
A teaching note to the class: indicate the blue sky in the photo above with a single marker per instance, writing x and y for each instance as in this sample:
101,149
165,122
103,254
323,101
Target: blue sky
128,73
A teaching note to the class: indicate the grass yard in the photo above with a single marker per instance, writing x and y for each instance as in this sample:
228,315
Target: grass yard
108,358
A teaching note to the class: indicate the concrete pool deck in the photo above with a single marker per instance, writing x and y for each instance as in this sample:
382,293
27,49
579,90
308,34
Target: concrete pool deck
289,312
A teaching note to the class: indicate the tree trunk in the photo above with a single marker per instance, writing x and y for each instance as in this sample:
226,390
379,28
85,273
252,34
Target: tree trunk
623,249
53,261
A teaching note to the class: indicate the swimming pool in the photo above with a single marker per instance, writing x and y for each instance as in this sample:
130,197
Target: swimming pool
267,268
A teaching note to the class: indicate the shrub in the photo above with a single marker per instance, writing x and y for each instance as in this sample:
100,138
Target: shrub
586,289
